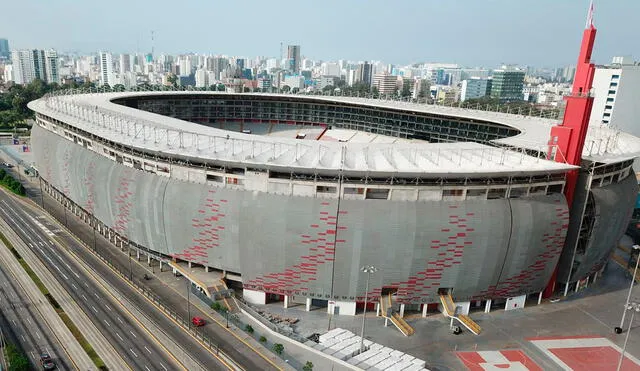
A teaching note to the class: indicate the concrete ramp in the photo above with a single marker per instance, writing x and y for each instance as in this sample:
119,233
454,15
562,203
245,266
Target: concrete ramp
449,310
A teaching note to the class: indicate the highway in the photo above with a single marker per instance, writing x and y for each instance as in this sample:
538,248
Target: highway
132,343
27,325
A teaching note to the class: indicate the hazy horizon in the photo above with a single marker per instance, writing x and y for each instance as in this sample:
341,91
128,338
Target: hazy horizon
467,32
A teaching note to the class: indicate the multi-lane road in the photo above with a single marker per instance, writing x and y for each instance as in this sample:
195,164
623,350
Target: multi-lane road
46,239
132,343
22,318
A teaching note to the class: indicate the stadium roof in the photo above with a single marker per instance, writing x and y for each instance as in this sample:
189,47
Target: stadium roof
154,133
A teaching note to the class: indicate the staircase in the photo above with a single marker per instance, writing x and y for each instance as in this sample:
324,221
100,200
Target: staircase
449,310
399,322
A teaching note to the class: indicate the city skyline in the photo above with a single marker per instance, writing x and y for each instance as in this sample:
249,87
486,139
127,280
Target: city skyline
458,35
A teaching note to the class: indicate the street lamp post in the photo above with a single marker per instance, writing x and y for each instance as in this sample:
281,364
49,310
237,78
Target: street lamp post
618,330
369,270
633,307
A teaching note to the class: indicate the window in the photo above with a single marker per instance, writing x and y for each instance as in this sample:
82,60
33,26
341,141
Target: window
612,91
452,192
608,107
377,194
554,188
325,189
214,178
517,192
353,191
613,84
615,77
476,193
495,193
610,100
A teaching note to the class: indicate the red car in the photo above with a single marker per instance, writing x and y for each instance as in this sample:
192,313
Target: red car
198,321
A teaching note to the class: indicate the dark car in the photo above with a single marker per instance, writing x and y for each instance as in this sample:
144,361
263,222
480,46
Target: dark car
47,362
198,321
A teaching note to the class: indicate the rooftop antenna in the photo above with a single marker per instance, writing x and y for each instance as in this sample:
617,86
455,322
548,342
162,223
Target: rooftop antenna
152,43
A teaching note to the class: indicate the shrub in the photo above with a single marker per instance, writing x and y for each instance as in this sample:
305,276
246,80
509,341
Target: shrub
278,348
307,366
263,339
216,306
249,329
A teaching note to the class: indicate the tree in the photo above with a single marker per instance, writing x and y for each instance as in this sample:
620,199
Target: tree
247,89
295,90
172,80
221,87
249,329
18,361
308,366
285,88
278,348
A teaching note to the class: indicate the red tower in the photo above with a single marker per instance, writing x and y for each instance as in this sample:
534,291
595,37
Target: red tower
567,138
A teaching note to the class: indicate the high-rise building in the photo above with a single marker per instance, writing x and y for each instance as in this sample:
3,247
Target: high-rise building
201,78
364,73
473,88
5,53
8,73
125,63
508,84
106,69
385,83
51,66
28,65
293,57
616,91
185,66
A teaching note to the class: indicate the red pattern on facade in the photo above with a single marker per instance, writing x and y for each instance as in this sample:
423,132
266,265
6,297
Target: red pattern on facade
319,243
208,227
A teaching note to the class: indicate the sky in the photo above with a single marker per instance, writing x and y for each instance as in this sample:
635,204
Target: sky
541,33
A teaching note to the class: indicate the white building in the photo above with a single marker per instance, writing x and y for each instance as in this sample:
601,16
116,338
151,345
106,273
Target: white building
473,88
28,65
125,63
185,66
201,78
386,84
106,69
51,66
330,69
295,81
616,90
8,73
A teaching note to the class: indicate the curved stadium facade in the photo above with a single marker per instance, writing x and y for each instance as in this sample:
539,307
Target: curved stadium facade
293,194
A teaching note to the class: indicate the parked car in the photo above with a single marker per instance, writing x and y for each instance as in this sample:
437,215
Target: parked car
47,362
198,321
6,164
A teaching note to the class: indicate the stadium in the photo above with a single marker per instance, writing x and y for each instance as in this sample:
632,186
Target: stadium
293,194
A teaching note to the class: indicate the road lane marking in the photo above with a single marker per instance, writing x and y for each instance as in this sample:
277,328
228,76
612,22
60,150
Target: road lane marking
23,339
28,320
134,335
84,297
94,309
145,347
38,335
96,295
74,286
145,366
108,307
120,320
134,353
107,322
14,322
119,337
165,369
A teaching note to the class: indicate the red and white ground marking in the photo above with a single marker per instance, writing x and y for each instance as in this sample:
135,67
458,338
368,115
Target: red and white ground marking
514,360
580,353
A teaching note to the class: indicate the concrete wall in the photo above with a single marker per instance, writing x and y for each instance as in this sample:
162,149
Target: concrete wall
306,246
